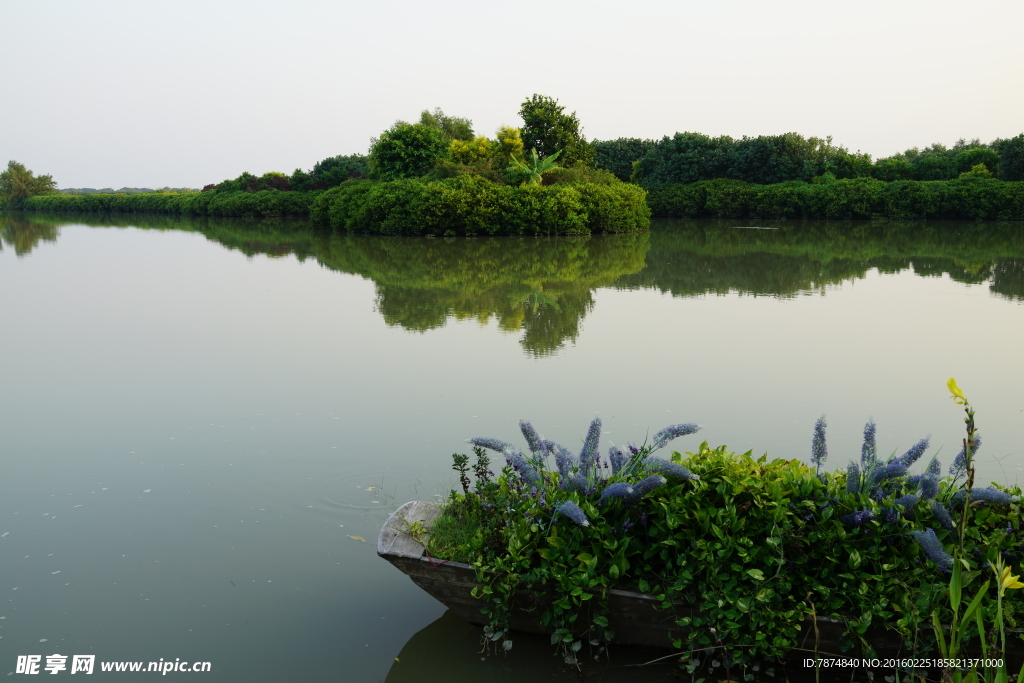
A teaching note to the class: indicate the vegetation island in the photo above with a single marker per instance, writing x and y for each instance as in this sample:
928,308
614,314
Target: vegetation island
437,177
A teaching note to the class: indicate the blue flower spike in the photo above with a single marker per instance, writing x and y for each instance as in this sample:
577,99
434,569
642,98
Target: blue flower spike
573,512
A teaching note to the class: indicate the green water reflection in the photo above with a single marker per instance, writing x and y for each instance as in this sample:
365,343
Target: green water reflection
542,288
690,258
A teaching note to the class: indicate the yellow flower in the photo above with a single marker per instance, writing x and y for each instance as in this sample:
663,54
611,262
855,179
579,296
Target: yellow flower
1008,581
958,395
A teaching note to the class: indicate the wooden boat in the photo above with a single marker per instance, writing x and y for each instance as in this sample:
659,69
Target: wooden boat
634,616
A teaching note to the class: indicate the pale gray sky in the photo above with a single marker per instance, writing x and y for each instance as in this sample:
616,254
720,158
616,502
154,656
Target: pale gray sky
139,93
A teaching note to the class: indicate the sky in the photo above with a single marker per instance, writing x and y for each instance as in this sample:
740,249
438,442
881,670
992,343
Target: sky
112,93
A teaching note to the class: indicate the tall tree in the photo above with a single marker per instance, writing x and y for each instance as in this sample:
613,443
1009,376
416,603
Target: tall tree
17,183
406,150
453,127
548,129
1011,157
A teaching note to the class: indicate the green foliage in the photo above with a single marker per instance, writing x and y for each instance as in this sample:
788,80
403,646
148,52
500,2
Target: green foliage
406,151
969,158
333,171
973,198
750,549
481,156
453,127
934,168
769,159
766,159
18,183
977,171
509,143
548,129
247,182
211,203
1011,157
532,170
619,155
471,151
892,169
684,158
471,205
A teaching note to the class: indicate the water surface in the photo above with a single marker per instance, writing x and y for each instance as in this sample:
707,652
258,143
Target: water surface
199,415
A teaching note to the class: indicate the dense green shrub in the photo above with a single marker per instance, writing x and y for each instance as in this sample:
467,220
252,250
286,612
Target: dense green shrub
766,159
406,150
619,155
972,198
1011,158
684,158
333,171
213,203
472,205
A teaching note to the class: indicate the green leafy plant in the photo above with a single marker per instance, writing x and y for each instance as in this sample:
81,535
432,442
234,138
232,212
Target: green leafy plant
741,549
406,150
532,170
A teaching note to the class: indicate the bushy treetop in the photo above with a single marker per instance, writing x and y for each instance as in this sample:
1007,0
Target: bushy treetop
548,129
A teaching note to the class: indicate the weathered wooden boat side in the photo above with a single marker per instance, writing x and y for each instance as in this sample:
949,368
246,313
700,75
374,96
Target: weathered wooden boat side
633,616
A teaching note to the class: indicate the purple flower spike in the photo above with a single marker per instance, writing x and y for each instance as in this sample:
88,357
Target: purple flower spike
914,454
893,470
565,461
908,502
588,456
853,478
934,468
573,512
644,487
868,451
575,482
620,490
533,440
819,451
933,548
929,487
942,515
990,495
493,444
670,468
618,459
526,471
672,432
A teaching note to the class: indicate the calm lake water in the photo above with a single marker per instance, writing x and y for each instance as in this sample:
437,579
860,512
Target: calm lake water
199,419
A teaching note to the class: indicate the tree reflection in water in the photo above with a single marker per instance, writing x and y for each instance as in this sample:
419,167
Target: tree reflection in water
542,288
24,234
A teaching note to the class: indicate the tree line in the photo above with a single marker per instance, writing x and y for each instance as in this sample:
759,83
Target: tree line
770,159
550,149
439,146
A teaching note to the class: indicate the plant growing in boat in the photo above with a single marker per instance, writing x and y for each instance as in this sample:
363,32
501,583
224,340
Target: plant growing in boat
743,549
